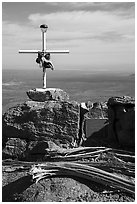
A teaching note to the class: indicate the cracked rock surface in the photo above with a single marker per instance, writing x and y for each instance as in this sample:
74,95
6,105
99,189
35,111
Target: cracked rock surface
35,122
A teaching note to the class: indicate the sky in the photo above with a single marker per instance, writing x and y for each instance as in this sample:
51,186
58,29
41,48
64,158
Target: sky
100,36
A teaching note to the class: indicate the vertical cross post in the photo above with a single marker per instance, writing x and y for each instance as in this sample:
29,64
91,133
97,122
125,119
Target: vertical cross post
44,30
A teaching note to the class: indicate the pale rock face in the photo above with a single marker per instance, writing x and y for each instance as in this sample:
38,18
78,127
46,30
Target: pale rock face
48,94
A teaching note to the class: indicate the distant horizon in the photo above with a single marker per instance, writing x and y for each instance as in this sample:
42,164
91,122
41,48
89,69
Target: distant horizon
67,73
95,69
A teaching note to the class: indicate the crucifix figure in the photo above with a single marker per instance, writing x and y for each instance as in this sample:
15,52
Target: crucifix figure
44,54
45,63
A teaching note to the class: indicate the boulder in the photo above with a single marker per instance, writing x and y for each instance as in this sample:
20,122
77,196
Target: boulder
121,117
43,121
47,94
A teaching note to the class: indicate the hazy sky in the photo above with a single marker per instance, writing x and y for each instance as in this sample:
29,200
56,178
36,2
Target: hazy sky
99,35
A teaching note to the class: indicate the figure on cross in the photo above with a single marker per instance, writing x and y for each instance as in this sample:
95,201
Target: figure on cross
43,58
45,63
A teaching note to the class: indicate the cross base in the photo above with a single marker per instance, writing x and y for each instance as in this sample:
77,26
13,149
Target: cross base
48,94
45,89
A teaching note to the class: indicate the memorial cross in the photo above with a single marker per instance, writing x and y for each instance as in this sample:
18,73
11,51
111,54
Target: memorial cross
44,50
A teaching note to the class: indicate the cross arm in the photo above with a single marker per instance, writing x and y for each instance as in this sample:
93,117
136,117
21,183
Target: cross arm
47,51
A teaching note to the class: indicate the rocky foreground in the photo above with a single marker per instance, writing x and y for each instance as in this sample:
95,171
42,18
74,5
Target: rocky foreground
44,131
18,187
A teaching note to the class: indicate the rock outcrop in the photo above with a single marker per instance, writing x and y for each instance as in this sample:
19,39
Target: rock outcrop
54,121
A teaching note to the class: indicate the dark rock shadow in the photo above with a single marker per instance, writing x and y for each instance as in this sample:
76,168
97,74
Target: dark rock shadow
101,138
9,191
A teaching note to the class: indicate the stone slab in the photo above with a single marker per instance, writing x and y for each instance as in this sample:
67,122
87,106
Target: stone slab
47,89
48,94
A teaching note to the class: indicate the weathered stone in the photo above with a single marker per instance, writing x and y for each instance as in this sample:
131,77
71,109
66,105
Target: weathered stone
121,116
121,100
49,121
47,94
15,148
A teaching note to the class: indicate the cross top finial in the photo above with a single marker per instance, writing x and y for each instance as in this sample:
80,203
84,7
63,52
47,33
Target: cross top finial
44,28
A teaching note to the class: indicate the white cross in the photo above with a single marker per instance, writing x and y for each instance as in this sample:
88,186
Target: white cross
44,51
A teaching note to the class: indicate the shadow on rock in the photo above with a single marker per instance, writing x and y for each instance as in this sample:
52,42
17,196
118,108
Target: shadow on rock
11,191
101,138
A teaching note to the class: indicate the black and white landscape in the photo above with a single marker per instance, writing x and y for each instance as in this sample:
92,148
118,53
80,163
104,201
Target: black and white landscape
74,141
